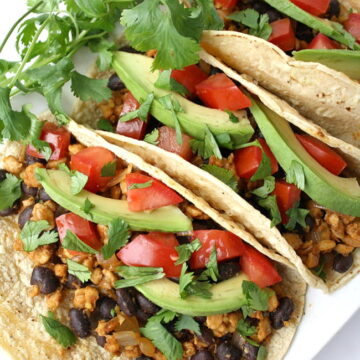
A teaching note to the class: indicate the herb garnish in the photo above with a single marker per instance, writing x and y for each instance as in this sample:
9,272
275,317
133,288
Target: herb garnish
206,147
267,188
105,125
142,112
140,185
256,299
153,137
137,275
166,82
271,205
80,271
72,242
187,322
295,175
78,179
245,329
87,206
224,175
109,169
10,191
32,235
189,285
118,233
296,216
185,251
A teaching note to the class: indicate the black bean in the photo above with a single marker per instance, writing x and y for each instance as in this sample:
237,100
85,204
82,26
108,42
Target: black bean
228,269
200,319
114,83
282,313
227,351
25,216
72,282
130,49
342,263
304,32
11,210
142,316
80,323
60,211
43,196
252,321
45,279
143,357
206,336
202,355
106,305
250,351
32,160
146,305
183,335
101,340
28,191
94,319
205,225
264,8
310,222
3,174
334,9
125,302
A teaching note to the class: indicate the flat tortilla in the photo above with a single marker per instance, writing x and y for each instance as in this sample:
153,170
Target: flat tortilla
353,5
23,335
327,97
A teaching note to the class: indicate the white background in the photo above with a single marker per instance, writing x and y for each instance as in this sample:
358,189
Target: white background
325,315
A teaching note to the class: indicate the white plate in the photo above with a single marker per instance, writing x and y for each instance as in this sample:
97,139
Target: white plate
324,316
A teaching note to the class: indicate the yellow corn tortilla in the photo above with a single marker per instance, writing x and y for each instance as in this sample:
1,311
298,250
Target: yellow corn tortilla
22,333
327,97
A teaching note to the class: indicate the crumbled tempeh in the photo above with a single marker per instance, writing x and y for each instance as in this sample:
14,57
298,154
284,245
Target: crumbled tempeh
115,192
226,163
96,276
53,300
60,270
34,291
42,212
42,254
103,233
188,349
85,298
75,148
326,245
28,175
312,260
54,164
107,327
353,230
314,211
12,165
108,279
222,324
112,345
159,355
132,351
344,249
193,212
273,303
294,240
26,203
263,330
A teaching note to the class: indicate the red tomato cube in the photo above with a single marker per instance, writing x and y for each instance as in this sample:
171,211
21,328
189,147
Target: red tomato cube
352,25
283,34
135,128
314,7
90,162
225,4
220,92
58,138
189,77
153,196
321,41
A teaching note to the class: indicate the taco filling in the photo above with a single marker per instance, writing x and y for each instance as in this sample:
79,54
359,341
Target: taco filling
297,181
136,265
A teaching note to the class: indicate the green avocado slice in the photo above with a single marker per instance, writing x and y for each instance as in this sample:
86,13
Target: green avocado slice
57,185
227,296
329,28
333,192
345,61
135,72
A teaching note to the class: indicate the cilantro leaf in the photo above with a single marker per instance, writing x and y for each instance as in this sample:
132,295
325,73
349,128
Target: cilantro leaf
142,112
105,125
266,189
206,147
32,235
151,25
261,355
118,236
153,137
232,117
186,322
224,175
104,49
212,270
295,175
137,275
87,88
163,316
185,251
78,179
61,333
245,329
80,271
92,8
109,169
319,270
189,285
296,216
72,242
87,206
140,185
166,82
257,299
163,340
271,205
10,191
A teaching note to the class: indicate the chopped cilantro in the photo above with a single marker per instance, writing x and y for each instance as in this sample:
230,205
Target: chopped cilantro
319,270
32,235
224,175
261,355
189,285
136,275
10,191
257,299
296,216
140,185
271,205
212,270
105,125
163,316
186,322
109,169
142,112
72,242
78,179
206,147
185,251
87,206
80,271
232,117
166,82
245,329
266,189
295,175
153,137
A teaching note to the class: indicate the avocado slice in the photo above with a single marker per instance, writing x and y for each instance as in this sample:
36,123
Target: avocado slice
227,296
57,185
135,72
333,192
346,61
329,28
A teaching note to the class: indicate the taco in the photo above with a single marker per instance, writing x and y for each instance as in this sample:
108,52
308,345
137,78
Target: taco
209,133
316,91
96,232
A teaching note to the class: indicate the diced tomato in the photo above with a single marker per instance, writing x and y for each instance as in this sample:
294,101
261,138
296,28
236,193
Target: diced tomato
220,92
323,154
258,268
153,249
286,197
189,77
151,197
167,141
83,229
90,161
228,246
136,128
321,41
352,25
247,160
58,138
225,4
283,34
314,7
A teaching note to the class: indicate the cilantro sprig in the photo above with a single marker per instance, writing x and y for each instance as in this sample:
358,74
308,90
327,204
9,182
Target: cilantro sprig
78,179
10,191
226,176
137,275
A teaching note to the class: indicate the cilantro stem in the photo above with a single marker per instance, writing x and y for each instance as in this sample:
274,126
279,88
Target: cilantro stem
28,52
18,22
